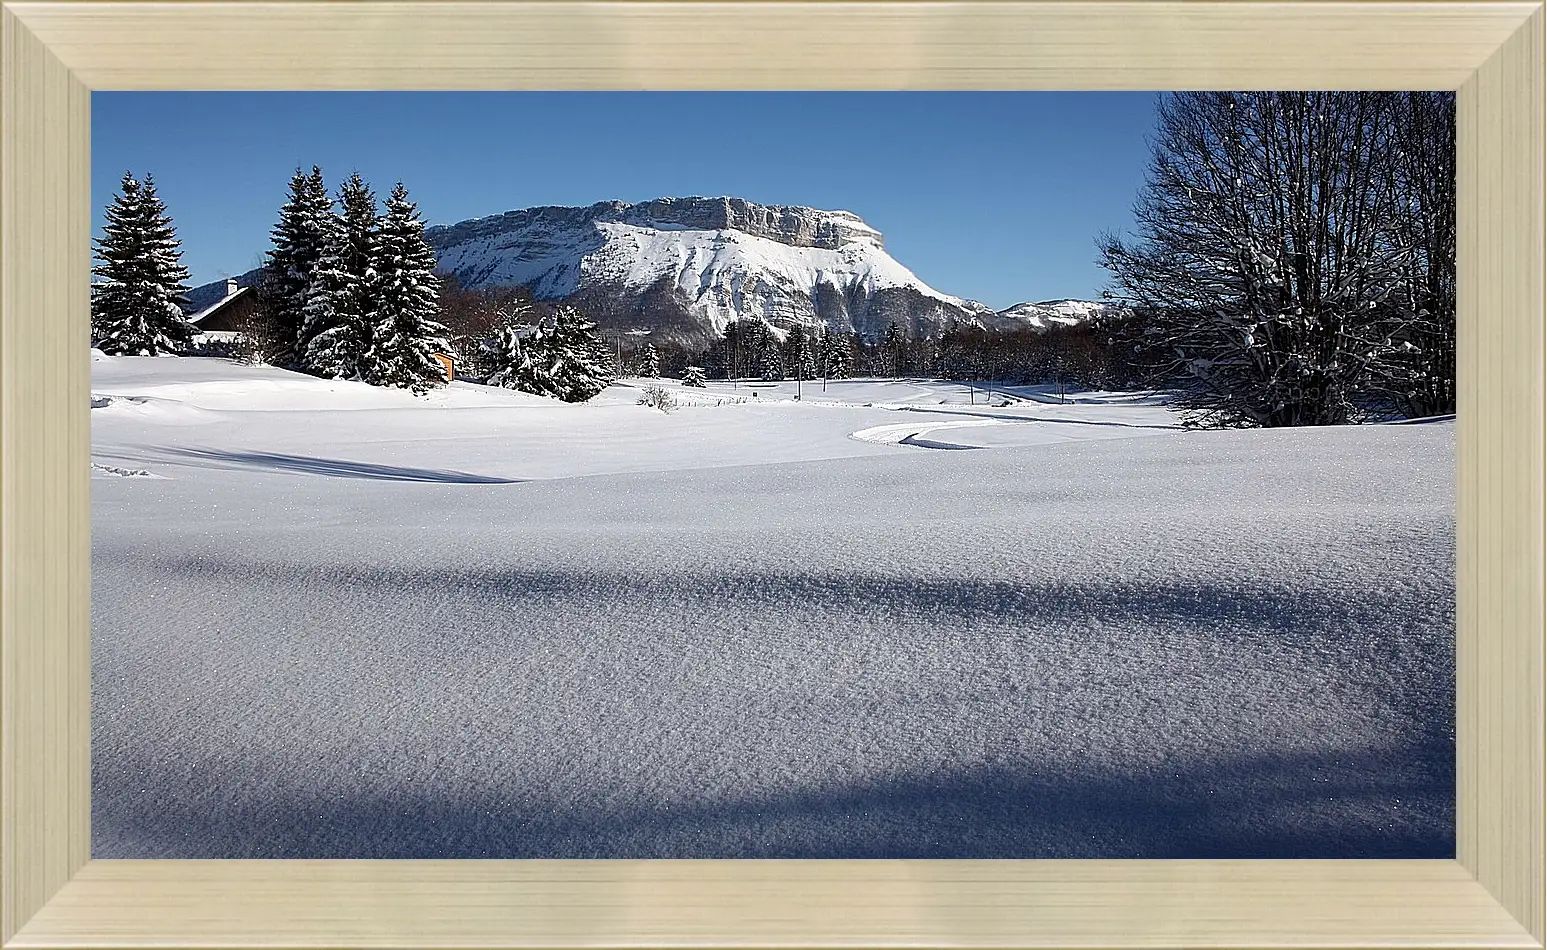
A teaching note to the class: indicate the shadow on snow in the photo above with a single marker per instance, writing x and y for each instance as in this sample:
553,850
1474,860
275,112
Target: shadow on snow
1324,805
1394,799
334,468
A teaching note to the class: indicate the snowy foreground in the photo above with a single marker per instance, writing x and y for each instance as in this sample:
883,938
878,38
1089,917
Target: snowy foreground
335,621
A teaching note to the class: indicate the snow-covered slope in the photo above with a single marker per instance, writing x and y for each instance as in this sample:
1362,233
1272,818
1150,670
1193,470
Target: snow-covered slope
883,621
1048,313
687,266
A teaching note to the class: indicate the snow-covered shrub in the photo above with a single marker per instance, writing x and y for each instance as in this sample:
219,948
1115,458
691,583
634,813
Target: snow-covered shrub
657,398
694,376
233,347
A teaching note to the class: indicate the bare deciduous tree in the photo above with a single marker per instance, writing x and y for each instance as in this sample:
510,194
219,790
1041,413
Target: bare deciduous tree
1273,271
1421,378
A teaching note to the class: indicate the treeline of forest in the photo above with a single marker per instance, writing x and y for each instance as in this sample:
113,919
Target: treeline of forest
1091,354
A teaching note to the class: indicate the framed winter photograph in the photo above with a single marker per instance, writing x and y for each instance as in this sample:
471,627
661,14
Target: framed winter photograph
569,456
914,514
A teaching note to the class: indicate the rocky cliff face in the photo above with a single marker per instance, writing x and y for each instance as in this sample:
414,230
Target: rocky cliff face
796,227
684,267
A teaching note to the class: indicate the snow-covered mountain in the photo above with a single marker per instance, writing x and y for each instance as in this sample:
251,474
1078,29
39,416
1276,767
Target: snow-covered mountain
684,267
1048,313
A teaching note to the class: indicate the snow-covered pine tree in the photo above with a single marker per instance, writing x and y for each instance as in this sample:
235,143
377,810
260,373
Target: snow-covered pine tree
770,357
837,358
305,230
739,347
892,349
565,358
481,352
339,312
648,364
134,309
511,358
578,359
694,376
798,360
405,335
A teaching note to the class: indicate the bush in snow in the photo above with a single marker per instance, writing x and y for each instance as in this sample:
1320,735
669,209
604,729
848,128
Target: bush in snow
263,336
471,315
512,368
656,398
1422,379
486,351
694,376
134,309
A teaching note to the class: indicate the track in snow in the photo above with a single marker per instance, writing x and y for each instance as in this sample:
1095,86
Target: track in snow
908,433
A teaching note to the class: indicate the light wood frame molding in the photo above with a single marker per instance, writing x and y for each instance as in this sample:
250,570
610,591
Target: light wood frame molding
54,53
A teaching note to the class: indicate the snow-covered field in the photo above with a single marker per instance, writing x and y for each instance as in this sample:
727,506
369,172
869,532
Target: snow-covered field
336,621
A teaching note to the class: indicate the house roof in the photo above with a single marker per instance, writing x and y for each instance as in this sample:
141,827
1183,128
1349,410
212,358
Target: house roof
216,307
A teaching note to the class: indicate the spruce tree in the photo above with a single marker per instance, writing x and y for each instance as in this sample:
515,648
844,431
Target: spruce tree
798,360
405,335
837,358
134,309
770,357
302,236
739,346
339,313
512,362
648,365
892,346
565,359
579,359
694,376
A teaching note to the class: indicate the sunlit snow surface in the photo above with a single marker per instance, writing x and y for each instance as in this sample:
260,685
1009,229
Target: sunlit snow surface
335,621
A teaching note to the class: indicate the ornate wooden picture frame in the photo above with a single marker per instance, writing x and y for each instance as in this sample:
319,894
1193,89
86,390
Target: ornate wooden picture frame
55,53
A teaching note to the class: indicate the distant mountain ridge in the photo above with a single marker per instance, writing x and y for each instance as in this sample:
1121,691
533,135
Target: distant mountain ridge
1048,313
685,267
682,268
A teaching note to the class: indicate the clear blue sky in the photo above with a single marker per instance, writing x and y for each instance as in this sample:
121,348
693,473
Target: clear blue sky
993,196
